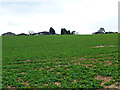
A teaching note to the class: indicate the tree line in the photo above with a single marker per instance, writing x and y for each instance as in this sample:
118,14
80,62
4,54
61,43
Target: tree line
51,32
63,31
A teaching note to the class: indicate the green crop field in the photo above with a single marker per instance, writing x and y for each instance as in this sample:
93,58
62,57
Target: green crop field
60,61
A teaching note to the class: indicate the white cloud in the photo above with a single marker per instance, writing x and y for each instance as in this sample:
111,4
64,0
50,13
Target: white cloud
84,16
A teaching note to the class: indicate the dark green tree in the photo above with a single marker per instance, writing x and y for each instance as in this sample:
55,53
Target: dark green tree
73,32
63,31
52,31
101,30
68,32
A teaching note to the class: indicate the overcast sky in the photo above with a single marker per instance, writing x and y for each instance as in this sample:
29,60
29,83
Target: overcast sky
83,16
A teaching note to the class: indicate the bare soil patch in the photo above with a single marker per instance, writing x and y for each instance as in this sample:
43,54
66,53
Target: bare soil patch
106,46
23,82
77,63
26,61
57,66
44,59
107,58
74,81
23,72
58,72
57,62
108,63
105,79
12,88
99,46
76,58
113,86
58,83
46,84
47,66
92,58
51,69
65,65
39,69
82,58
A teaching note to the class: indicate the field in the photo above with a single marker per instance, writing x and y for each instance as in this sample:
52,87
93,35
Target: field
60,61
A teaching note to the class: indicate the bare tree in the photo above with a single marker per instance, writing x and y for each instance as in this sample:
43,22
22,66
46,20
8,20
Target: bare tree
31,32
